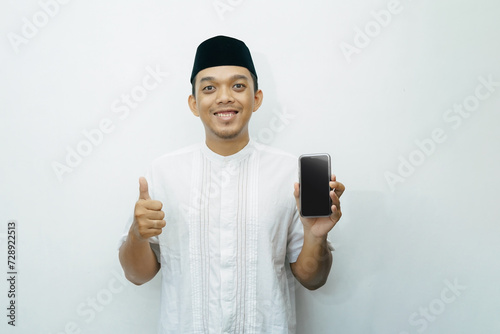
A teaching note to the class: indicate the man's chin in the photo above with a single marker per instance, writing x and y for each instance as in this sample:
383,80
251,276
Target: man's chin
227,135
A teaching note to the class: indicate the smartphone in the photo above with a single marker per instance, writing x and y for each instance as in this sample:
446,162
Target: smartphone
314,180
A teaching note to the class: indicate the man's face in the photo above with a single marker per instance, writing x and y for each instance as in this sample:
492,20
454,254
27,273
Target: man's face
225,100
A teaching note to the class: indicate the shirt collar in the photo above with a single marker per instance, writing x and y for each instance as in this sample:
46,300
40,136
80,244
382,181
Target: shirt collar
233,158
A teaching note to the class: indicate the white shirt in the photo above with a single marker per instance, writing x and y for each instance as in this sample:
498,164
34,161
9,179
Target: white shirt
232,228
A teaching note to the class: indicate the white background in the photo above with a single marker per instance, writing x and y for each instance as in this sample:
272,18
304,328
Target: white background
398,247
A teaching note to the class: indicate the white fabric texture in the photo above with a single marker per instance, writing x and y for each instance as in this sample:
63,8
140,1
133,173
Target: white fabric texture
232,230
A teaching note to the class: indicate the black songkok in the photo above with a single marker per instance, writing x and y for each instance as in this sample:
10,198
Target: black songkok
222,51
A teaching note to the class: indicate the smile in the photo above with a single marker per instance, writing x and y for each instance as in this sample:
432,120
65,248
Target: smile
226,114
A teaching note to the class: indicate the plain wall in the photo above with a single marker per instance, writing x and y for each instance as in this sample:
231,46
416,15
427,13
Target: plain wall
404,95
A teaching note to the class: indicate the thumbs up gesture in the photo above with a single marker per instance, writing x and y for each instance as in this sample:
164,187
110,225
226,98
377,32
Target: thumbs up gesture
148,216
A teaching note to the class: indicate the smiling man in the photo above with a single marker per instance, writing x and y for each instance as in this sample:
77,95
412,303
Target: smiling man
225,99
220,218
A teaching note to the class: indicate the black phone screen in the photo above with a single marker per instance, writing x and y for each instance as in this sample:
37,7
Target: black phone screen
315,198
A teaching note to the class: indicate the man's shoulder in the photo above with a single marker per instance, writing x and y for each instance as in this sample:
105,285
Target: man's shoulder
273,159
176,154
274,152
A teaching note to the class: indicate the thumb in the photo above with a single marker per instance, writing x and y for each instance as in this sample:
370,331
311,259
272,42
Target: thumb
296,188
143,188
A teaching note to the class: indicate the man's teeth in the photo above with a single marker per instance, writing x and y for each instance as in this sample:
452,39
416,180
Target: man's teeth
225,115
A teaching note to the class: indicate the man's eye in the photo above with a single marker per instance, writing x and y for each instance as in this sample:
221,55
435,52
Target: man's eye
239,86
208,88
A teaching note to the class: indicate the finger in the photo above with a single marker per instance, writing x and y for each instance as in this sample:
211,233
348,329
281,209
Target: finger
333,178
161,224
151,233
152,205
151,228
143,188
338,187
336,214
155,215
296,194
157,224
335,199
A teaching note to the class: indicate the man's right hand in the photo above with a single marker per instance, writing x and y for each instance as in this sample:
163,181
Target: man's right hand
148,216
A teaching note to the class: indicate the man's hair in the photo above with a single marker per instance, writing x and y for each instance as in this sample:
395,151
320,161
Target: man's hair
254,78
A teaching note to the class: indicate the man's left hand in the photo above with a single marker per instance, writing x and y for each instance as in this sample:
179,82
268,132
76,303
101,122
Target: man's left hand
319,227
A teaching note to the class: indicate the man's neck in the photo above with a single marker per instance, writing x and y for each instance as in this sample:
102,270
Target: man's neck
227,147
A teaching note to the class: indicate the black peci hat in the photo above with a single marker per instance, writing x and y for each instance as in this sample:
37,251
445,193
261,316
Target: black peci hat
221,51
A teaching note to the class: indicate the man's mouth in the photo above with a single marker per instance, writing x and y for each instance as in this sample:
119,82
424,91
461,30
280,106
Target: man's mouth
226,114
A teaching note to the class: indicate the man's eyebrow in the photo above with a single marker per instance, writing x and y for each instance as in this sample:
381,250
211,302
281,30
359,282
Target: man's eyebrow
239,76
207,79
234,77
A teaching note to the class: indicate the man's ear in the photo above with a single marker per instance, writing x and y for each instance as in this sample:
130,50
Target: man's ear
257,100
193,106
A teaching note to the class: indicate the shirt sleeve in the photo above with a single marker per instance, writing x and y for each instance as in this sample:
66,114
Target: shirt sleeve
154,242
295,238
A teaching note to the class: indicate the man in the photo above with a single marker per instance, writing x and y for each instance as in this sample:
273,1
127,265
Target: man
220,218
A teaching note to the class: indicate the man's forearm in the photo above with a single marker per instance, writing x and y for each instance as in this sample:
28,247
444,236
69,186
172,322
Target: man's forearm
314,262
138,260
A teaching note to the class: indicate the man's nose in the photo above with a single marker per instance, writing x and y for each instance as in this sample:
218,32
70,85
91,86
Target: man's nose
225,95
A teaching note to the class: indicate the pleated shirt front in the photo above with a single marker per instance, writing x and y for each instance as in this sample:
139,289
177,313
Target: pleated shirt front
232,230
